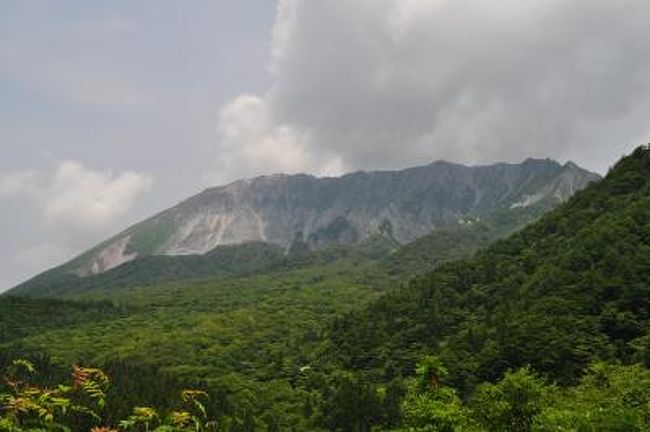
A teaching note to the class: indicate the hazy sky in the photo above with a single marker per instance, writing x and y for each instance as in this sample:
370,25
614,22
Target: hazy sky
111,111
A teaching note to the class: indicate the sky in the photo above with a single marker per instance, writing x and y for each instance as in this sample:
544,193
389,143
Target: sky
113,111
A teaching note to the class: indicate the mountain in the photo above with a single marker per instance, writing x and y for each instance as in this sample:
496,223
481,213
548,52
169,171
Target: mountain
392,261
570,289
307,213
304,339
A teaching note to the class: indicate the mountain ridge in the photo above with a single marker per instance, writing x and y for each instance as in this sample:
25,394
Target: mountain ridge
302,210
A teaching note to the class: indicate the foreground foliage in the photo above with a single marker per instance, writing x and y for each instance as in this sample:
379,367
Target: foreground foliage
79,405
607,398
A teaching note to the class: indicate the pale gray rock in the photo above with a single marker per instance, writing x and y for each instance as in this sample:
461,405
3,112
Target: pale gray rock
289,209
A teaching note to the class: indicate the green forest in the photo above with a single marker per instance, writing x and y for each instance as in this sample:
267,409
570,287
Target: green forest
530,319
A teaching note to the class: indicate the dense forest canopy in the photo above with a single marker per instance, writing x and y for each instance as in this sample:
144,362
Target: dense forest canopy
571,288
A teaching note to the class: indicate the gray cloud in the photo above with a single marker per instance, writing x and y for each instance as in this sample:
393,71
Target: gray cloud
381,83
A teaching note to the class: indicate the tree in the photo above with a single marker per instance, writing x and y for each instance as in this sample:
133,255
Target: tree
511,404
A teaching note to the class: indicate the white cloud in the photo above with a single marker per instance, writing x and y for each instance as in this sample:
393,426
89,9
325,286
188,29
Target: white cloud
282,32
249,132
388,83
94,199
76,197
252,142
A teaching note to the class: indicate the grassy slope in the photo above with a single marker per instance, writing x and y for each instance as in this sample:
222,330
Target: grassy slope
222,262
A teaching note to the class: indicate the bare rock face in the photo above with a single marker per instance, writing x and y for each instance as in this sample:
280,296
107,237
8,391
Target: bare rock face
317,212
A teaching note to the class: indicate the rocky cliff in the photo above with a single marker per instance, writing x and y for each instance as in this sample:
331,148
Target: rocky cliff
290,210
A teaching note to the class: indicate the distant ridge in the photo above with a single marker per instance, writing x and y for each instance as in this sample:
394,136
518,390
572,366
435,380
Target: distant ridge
309,213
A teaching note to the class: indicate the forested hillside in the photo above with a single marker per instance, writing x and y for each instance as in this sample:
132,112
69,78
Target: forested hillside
571,288
548,329
21,317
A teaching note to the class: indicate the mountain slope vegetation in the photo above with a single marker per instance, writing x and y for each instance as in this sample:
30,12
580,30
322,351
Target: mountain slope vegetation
222,262
569,289
293,294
